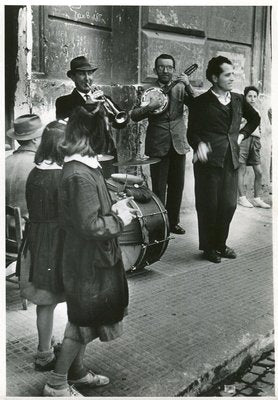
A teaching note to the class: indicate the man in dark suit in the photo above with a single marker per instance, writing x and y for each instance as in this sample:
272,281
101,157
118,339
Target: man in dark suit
214,134
81,73
166,138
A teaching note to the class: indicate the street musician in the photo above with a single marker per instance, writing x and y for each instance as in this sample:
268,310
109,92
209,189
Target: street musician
81,73
166,136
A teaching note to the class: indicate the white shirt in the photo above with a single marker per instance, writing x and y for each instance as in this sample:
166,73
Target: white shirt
85,94
47,164
92,162
223,99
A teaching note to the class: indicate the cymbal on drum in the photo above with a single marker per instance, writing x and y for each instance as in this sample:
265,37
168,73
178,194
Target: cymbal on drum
134,162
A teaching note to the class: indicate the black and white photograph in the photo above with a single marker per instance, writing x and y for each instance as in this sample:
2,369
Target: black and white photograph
141,210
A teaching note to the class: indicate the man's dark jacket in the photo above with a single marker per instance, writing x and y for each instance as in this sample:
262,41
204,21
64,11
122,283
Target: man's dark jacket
66,104
168,128
211,122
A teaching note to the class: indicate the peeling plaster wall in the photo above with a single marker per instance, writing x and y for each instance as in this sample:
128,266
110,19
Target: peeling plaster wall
44,93
196,34
99,33
22,94
140,34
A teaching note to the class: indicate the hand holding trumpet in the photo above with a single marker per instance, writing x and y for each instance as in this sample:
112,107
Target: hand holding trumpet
97,96
120,118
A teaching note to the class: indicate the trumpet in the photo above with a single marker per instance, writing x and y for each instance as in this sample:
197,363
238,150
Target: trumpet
163,93
120,118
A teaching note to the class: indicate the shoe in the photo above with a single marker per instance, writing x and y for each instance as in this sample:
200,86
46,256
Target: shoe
45,367
258,202
177,229
244,202
91,379
70,391
227,253
212,256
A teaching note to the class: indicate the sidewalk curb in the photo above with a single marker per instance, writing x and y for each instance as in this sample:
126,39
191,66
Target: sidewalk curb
249,354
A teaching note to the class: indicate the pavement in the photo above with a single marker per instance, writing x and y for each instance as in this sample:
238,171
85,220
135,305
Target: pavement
255,380
190,322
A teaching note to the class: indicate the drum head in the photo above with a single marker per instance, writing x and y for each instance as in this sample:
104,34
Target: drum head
130,255
145,239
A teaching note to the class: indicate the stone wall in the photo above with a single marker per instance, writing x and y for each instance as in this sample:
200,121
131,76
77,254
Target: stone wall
124,41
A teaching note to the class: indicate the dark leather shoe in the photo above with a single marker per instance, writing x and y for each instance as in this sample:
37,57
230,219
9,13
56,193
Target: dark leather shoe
227,253
177,229
212,256
46,367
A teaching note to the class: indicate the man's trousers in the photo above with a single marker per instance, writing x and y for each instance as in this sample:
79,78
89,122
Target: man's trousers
168,176
216,200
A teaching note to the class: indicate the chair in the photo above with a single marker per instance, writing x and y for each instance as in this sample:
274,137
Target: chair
14,235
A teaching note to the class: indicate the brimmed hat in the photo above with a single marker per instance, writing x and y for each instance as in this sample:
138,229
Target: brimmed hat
26,127
80,63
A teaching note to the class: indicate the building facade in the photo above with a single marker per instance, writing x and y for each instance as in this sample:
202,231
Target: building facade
123,41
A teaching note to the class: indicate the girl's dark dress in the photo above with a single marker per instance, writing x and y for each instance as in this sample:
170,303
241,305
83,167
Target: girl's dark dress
44,239
93,274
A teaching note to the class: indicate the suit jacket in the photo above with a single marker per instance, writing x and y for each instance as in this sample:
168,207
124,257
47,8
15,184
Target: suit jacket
66,104
93,274
18,167
169,127
210,122
64,108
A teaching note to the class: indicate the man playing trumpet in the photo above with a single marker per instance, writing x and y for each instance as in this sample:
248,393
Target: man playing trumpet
81,73
166,137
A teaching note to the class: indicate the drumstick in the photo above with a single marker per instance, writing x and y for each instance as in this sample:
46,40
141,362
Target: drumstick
125,185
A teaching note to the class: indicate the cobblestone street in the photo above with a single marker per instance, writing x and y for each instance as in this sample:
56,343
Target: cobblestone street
256,380
186,318
136,135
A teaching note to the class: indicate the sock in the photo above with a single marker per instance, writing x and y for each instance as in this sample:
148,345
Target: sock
44,357
57,381
77,373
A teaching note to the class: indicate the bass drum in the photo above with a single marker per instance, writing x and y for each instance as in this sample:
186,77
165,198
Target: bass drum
146,238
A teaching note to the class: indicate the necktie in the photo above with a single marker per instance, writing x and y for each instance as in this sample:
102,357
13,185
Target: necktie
87,97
